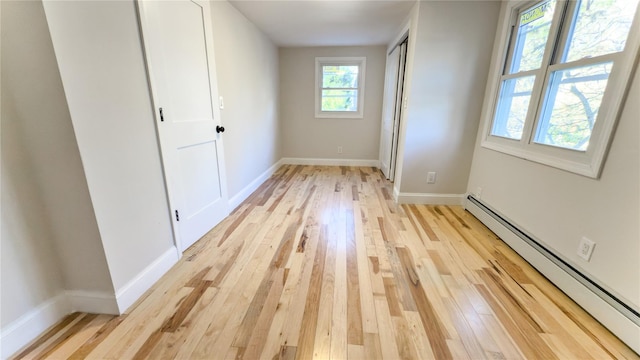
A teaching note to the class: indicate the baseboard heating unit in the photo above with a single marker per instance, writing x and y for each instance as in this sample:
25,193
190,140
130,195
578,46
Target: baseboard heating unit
619,317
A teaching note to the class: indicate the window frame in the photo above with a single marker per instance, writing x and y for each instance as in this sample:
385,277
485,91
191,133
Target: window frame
587,163
361,62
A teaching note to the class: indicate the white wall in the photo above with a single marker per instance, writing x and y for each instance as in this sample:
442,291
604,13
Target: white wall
99,54
34,87
29,266
447,64
30,272
46,209
247,70
559,207
304,136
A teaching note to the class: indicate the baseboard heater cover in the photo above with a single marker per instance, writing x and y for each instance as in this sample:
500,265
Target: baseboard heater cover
625,309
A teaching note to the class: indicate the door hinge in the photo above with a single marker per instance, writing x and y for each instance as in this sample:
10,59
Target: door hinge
161,115
177,216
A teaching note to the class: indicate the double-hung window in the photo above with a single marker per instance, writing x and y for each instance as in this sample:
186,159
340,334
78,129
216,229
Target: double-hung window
562,76
340,87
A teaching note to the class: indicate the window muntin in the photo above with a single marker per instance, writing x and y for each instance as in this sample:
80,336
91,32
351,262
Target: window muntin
578,89
339,87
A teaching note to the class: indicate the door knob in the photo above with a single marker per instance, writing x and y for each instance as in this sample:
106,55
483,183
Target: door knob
219,129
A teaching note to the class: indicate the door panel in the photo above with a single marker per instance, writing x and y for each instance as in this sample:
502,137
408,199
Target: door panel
390,83
182,76
200,186
397,115
185,53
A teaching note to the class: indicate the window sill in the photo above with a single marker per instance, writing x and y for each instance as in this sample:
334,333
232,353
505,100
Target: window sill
339,115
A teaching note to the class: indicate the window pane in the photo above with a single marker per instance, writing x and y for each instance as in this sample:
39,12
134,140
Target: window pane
339,100
342,76
572,105
512,107
601,27
533,32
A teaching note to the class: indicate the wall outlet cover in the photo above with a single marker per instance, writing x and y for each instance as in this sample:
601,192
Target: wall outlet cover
431,177
585,248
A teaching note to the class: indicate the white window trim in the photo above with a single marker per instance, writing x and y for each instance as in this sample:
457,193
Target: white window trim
362,63
587,163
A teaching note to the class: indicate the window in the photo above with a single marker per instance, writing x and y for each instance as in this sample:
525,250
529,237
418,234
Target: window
562,77
340,87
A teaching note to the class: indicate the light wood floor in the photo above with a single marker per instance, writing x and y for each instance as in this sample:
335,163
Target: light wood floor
320,263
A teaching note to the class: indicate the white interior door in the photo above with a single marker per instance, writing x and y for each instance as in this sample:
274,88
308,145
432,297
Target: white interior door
182,75
399,105
389,104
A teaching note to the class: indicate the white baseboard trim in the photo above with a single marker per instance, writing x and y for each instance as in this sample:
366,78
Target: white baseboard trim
330,162
238,198
95,302
612,319
131,291
429,199
23,330
29,326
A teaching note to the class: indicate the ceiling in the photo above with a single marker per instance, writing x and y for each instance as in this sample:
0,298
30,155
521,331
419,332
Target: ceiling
327,22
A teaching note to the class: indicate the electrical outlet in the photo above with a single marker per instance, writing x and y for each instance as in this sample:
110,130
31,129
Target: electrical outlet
221,100
431,177
478,193
585,248
339,149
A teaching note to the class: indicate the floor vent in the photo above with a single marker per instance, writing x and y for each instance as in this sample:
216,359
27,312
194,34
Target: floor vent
624,309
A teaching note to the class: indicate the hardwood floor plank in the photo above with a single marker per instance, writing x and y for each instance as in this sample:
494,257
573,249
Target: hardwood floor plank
418,335
319,262
372,347
322,342
404,340
387,339
227,266
429,317
306,269
527,341
148,346
339,317
423,222
310,319
464,331
141,337
580,343
171,343
173,322
403,283
502,339
260,330
50,334
89,345
74,342
270,277
234,225
73,330
367,312
354,306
